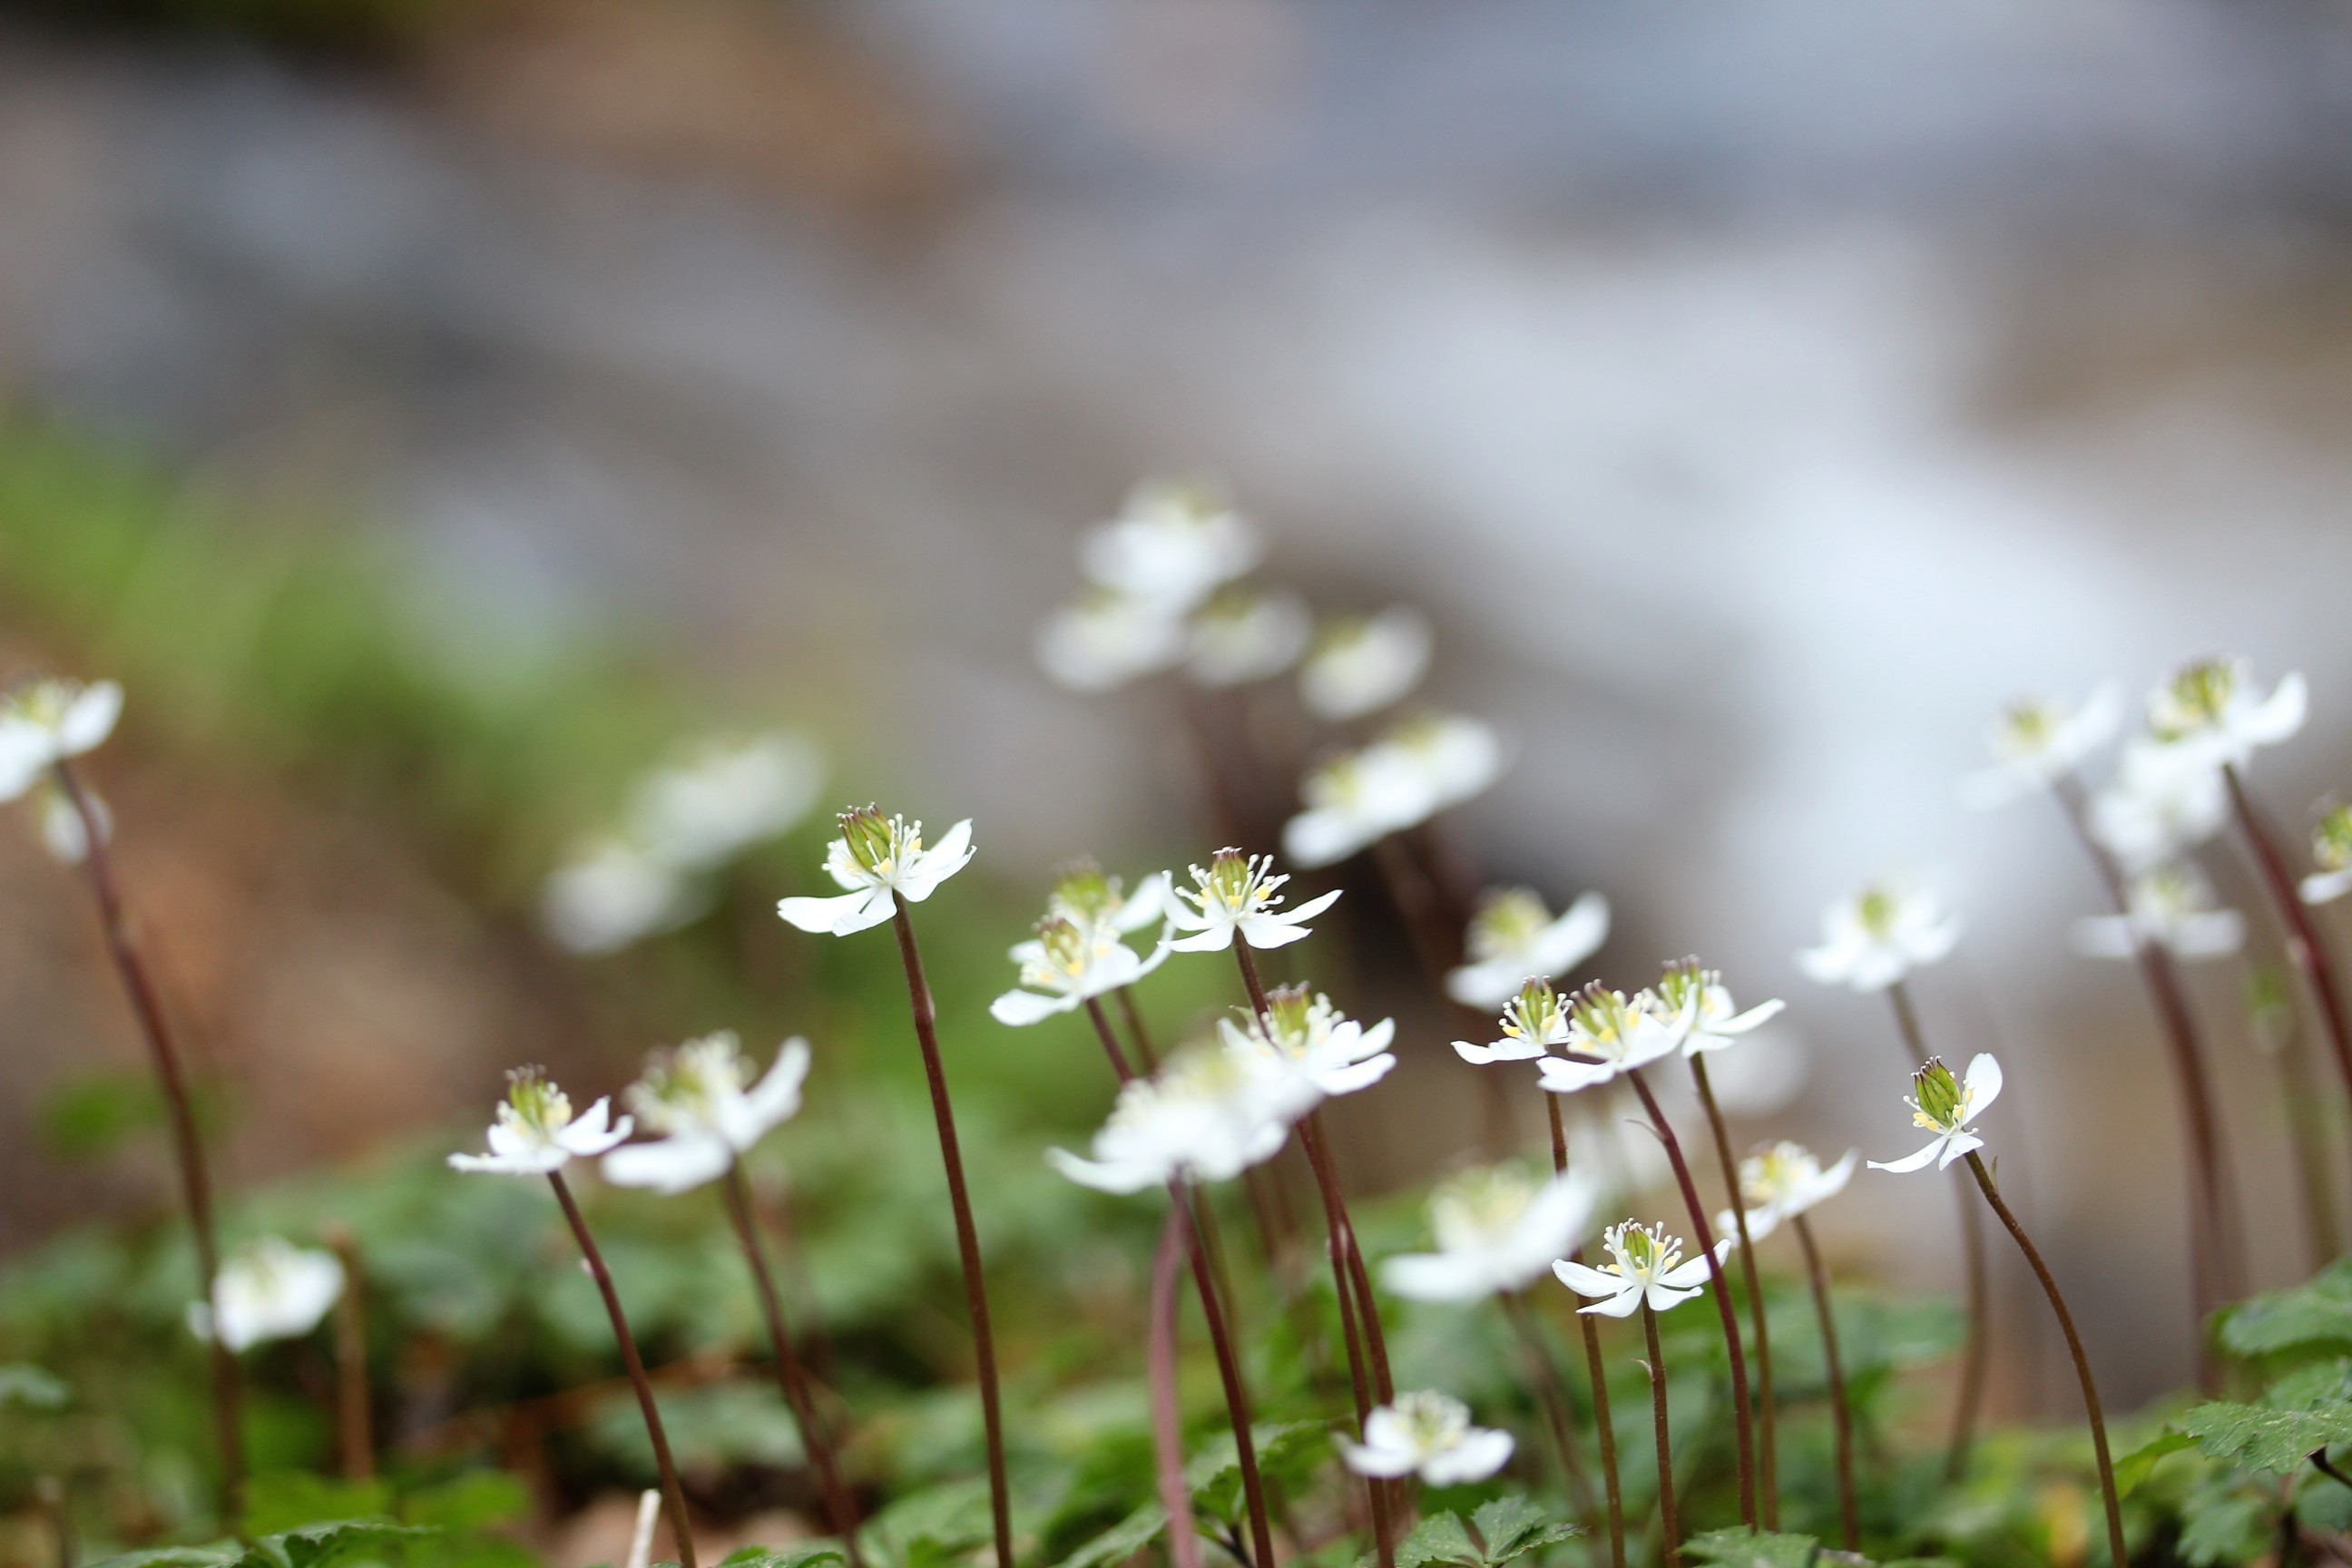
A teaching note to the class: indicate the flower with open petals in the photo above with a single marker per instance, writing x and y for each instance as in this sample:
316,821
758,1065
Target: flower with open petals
1782,1182
1533,1021
1303,1033
1513,937
1361,665
1426,1434
536,1132
1946,1107
2331,853
45,723
271,1290
2171,905
1209,1114
1237,897
1106,640
2163,802
1066,965
880,860
719,800
702,1099
2035,743
1715,1021
1497,1231
1614,1037
613,893
1646,1266
1455,757
1171,546
1241,635
1875,937
1352,800
2209,709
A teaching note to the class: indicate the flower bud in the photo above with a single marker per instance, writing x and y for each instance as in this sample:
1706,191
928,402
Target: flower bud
1507,921
1939,1092
870,837
2331,841
2194,698
1084,894
537,1102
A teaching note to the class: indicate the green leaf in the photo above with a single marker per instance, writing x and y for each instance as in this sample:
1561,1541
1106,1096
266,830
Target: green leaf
1513,1526
30,1388
316,1543
282,1499
1440,1538
1285,1449
2277,1441
2134,1466
812,1555
217,1555
2224,1528
1121,1541
1736,1548
2315,1315
474,1501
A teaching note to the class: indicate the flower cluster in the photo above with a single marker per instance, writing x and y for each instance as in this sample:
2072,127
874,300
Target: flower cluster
1153,598
1211,1113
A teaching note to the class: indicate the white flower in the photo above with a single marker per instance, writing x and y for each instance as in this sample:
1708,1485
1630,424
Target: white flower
1455,757
2171,905
1093,902
1236,897
1497,1231
2331,851
1532,1021
1616,1036
1875,937
881,860
1946,1108
1303,1033
1362,665
1106,640
1065,964
714,803
702,1098
45,723
1644,1266
271,1290
2164,800
2035,743
2210,709
1171,546
1782,1182
536,1132
1513,937
1209,1114
63,832
612,894
1239,636
1716,1021
1355,799
1427,1434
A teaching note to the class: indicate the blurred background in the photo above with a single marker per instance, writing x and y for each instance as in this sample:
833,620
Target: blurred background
434,409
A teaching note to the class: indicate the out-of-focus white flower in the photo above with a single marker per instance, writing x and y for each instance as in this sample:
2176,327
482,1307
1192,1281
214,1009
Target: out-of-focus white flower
1456,757
713,804
1782,1182
1533,1021
1106,640
1066,965
2163,802
536,1132
880,860
1088,898
1427,1434
702,1099
2209,708
2171,905
1361,665
1875,937
1355,799
1240,635
45,723
2035,743
1236,896
1171,546
1497,1231
1946,1107
63,832
1644,1266
1715,1021
1302,1033
1209,1113
271,1290
1513,937
2331,852
1615,1036
612,894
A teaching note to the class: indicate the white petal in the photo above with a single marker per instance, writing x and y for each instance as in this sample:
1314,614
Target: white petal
1316,839
668,1165
25,752
1980,1086
1910,1162
1271,930
1563,1076
1503,1051
1958,1144
1312,907
776,1098
2320,887
2280,715
1574,937
1020,1009
1586,1281
1356,1075
1479,1454
90,718
2209,934
1216,939
2104,936
821,915
1664,1300
1433,1276
1763,1012
1826,965
590,1135
1125,1177
1384,1463
1487,987
951,854
1624,1305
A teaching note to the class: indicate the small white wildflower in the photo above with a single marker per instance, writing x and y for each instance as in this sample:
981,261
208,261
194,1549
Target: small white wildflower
1208,1114
1427,1434
2163,802
1066,965
2208,708
1616,1036
722,799
1715,1021
1302,1033
45,723
1236,897
2171,905
1354,800
1782,1182
1171,546
2035,743
702,1098
1533,1021
271,1290
1239,636
1497,1231
1946,1107
1362,665
536,1132
2331,852
63,832
880,860
1646,1267
1513,937
611,894
1875,937
1106,640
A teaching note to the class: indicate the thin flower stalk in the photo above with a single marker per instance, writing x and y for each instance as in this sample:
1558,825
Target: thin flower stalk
1210,1284
1976,1355
791,1376
187,1144
1670,1537
1841,1414
354,1419
1551,1394
2301,1107
975,1286
1767,1467
1596,1368
1167,1432
633,1364
2115,1552
2303,941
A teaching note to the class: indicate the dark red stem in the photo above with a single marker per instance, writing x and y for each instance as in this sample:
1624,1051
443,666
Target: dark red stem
1839,1411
